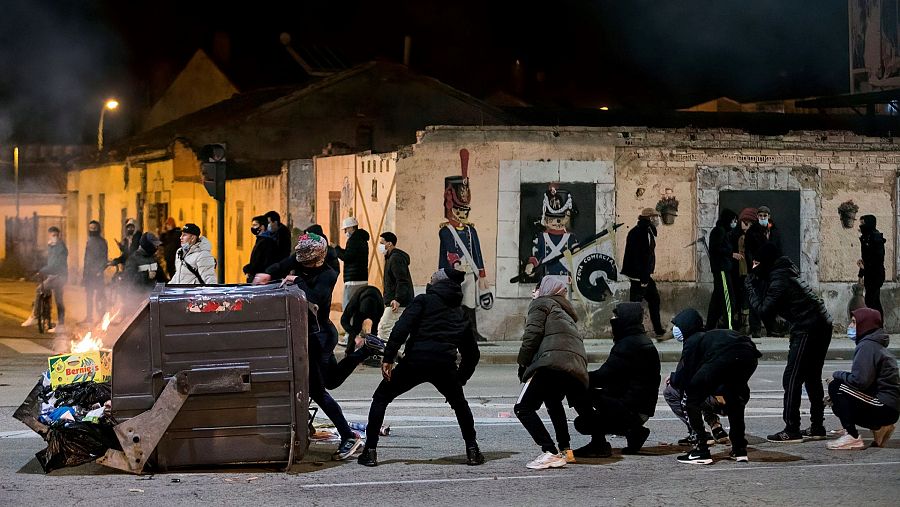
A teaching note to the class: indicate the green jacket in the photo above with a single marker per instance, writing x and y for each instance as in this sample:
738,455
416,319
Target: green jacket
552,339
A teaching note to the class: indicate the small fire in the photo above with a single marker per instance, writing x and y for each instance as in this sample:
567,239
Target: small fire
107,320
86,344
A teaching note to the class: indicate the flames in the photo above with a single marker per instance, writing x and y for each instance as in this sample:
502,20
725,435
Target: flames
93,340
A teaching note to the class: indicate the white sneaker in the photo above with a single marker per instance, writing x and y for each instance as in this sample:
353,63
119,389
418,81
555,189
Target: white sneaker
30,321
846,443
547,460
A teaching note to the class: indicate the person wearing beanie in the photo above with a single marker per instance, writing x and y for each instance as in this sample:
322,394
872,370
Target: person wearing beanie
331,257
721,257
432,329
740,265
171,242
194,263
869,394
871,262
96,258
774,287
265,248
639,263
142,270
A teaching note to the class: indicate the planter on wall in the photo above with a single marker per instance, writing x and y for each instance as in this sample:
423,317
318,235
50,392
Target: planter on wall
668,218
848,220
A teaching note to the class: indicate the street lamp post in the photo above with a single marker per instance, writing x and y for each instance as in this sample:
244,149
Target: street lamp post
109,104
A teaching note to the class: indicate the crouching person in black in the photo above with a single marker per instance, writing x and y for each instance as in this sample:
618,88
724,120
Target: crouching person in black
624,390
717,361
434,328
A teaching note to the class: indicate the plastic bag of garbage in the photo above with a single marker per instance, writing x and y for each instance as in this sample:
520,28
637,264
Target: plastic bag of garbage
31,410
85,394
72,443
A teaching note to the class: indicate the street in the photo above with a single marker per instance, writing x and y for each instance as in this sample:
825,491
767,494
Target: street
421,459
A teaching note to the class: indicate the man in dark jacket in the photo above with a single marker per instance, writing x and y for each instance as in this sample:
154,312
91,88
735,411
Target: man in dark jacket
624,390
355,257
871,262
398,289
331,258
130,241
721,255
142,271
265,249
761,232
639,263
869,394
434,328
54,275
171,242
719,360
96,257
774,288
281,234
366,304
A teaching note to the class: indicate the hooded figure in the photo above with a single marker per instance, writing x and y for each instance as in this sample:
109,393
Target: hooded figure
774,288
624,390
871,262
142,270
869,394
639,263
721,252
96,258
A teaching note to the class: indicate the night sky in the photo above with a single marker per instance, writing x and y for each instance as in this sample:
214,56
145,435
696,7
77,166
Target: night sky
60,58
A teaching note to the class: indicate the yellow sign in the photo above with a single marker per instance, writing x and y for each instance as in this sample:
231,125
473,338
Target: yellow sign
93,366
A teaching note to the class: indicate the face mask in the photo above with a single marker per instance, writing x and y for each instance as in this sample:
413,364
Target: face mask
348,234
254,231
271,227
676,332
382,249
53,241
733,224
93,234
851,333
764,222
655,221
185,246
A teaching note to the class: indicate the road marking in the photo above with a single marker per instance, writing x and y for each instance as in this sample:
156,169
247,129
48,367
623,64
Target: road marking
25,346
19,434
824,465
429,481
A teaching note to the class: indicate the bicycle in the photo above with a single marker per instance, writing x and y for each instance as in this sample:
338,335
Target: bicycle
44,303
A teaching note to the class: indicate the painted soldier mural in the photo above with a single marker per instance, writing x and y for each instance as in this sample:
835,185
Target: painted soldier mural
557,213
459,245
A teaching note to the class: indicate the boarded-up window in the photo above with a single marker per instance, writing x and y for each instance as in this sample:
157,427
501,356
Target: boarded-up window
334,215
239,224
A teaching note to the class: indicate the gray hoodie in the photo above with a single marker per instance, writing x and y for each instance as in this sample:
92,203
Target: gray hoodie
874,369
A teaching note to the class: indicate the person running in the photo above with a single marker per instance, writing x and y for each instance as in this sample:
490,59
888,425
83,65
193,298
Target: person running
774,288
639,263
869,394
871,261
552,364
433,329
719,360
721,255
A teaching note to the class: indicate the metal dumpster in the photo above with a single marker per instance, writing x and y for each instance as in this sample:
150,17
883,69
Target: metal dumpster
212,375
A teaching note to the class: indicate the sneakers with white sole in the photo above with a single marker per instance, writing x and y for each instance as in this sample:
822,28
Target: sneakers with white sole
846,443
696,457
547,460
30,321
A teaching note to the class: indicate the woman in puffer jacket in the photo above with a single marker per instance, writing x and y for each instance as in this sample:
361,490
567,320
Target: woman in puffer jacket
552,364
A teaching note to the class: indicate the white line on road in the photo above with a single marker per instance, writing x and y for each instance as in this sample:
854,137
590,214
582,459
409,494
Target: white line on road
25,346
824,465
428,481
19,434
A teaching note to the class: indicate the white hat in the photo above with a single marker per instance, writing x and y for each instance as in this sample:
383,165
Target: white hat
349,222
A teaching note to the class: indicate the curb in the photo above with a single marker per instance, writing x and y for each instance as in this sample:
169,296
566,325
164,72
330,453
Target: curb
670,356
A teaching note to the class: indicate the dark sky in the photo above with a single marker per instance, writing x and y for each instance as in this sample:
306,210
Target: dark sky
60,58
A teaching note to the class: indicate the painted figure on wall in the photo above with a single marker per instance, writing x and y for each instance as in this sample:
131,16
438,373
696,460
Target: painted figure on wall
557,212
459,245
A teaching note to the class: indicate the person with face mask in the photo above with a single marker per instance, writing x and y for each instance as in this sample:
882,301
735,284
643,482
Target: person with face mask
54,275
265,249
130,241
771,231
96,258
871,261
194,263
721,257
774,287
624,389
142,269
281,234
355,257
755,236
639,263
398,288
869,394
432,330
719,360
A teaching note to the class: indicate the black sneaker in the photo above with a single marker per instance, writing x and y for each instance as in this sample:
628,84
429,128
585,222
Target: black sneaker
696,457
688,441
594,450
369,457
347,448
813,433
739,455
474,456
720,435
786,437
635,439
374,343
756,333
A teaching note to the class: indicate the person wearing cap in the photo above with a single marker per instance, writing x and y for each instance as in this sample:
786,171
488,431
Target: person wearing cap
433,329
281,234
774,288
355,257
142,270
772,233
398,288
171,242
869,394
721,257
96,258
194,263
639,263
54,275
871,261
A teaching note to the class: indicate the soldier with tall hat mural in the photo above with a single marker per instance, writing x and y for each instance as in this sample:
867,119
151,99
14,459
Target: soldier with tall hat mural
557,212
459,245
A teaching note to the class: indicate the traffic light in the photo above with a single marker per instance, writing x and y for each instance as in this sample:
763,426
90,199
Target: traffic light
212,167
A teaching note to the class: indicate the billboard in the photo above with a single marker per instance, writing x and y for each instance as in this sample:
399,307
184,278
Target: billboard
874,45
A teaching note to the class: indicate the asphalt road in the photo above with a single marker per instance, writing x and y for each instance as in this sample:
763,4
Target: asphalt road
421,459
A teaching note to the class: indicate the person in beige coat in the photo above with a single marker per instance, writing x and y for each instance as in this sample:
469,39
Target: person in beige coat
194,263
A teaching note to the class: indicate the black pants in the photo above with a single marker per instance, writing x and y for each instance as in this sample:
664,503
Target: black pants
720,304
336,372
95,299
548,387
651,295
853,407
610,417
409,374
729,376
57,287
806,357
873,294
320,366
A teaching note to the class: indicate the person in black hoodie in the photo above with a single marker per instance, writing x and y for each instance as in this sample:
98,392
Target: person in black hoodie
171,242
639,263
434,328
398,289
96,258
719,360
721,254
871,262
281,234
774,288
264,252
142,270
355,257
366,304
869,394
624,390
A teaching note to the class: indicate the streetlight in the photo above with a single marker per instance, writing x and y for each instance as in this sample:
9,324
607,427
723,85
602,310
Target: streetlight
110,104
